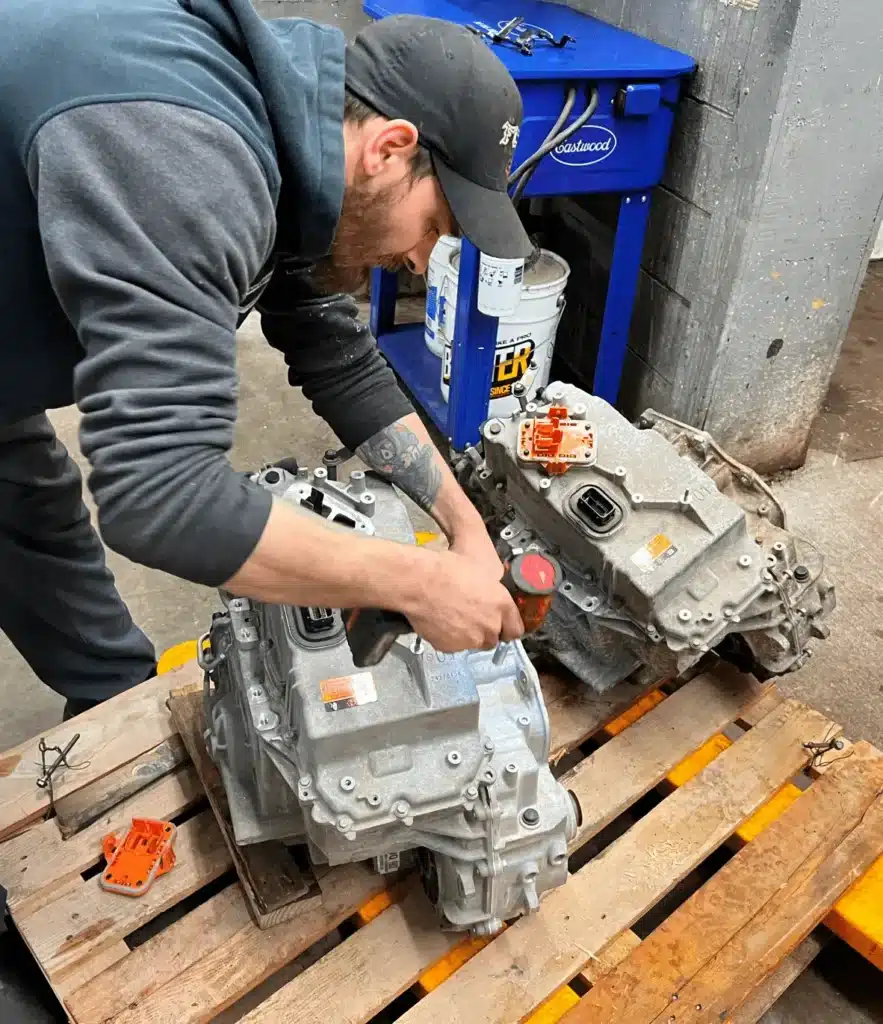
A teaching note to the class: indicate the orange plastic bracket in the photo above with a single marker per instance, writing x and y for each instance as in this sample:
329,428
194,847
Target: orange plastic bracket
145,852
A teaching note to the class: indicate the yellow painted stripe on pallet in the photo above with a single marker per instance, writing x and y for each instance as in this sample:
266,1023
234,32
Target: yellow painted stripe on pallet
699,759
857,916
450,962
554,1008
640,708
774,808
374,907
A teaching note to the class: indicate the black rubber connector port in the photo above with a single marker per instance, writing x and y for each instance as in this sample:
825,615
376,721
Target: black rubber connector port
801,573
597,509
271,477
318,620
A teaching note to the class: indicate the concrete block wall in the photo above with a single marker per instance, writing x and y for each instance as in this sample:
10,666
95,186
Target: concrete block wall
760,234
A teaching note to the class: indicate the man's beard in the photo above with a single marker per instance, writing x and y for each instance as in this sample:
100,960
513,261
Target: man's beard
359,240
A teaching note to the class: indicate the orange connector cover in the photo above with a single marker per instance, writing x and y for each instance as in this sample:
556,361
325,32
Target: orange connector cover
144,853
556,441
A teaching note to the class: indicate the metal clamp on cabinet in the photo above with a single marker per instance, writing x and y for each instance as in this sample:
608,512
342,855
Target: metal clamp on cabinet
516,33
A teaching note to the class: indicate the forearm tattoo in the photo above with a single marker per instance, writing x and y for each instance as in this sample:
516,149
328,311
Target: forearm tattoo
399,455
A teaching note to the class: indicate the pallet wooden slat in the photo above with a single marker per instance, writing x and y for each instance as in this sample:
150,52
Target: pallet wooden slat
161,958
552,1010
89,969
76,811
576,712
651,981
639,757
226,971
770,700
779,981
111,735
536,955
786,920
406,936
387,955
610,956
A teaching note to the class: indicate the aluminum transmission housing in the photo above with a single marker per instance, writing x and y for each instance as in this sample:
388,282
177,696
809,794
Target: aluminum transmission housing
437,752
670,548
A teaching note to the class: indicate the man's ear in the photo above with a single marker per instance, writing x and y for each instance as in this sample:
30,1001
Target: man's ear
388,144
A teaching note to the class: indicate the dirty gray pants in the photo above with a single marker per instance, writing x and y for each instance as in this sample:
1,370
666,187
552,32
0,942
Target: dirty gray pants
58,601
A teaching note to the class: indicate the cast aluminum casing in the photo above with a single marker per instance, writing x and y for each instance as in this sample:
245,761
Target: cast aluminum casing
445,753
684,568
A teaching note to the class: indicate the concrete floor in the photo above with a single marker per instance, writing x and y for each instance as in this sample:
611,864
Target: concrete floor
836,501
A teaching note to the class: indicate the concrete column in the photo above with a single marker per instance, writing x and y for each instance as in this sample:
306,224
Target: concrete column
760,236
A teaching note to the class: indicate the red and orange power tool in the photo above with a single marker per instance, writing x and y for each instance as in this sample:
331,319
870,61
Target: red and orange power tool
531,579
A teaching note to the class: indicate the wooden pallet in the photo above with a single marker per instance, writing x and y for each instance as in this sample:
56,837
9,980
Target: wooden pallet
356,950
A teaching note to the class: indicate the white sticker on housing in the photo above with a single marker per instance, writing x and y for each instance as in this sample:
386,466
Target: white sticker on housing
499,285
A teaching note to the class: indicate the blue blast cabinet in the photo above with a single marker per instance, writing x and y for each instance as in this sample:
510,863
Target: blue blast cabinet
554,53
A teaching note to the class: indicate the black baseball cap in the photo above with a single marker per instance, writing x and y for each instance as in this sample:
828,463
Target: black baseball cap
445,80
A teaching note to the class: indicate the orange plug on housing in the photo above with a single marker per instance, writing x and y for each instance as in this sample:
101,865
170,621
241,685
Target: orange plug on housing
557,441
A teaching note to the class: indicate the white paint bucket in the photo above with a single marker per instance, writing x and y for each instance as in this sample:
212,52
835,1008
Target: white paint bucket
439,266
525,339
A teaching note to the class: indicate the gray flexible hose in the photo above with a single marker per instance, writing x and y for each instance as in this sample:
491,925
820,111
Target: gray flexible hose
525,171
569,101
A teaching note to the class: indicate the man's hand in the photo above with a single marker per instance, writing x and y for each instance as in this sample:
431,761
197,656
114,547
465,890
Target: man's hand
463,605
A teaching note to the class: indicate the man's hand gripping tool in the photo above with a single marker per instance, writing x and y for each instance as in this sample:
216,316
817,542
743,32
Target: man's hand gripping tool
531,579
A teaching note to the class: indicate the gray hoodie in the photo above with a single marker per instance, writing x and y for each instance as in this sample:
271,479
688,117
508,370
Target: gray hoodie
148,149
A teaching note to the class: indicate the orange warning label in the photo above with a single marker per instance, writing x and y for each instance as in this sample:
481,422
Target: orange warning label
656,551
348,691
